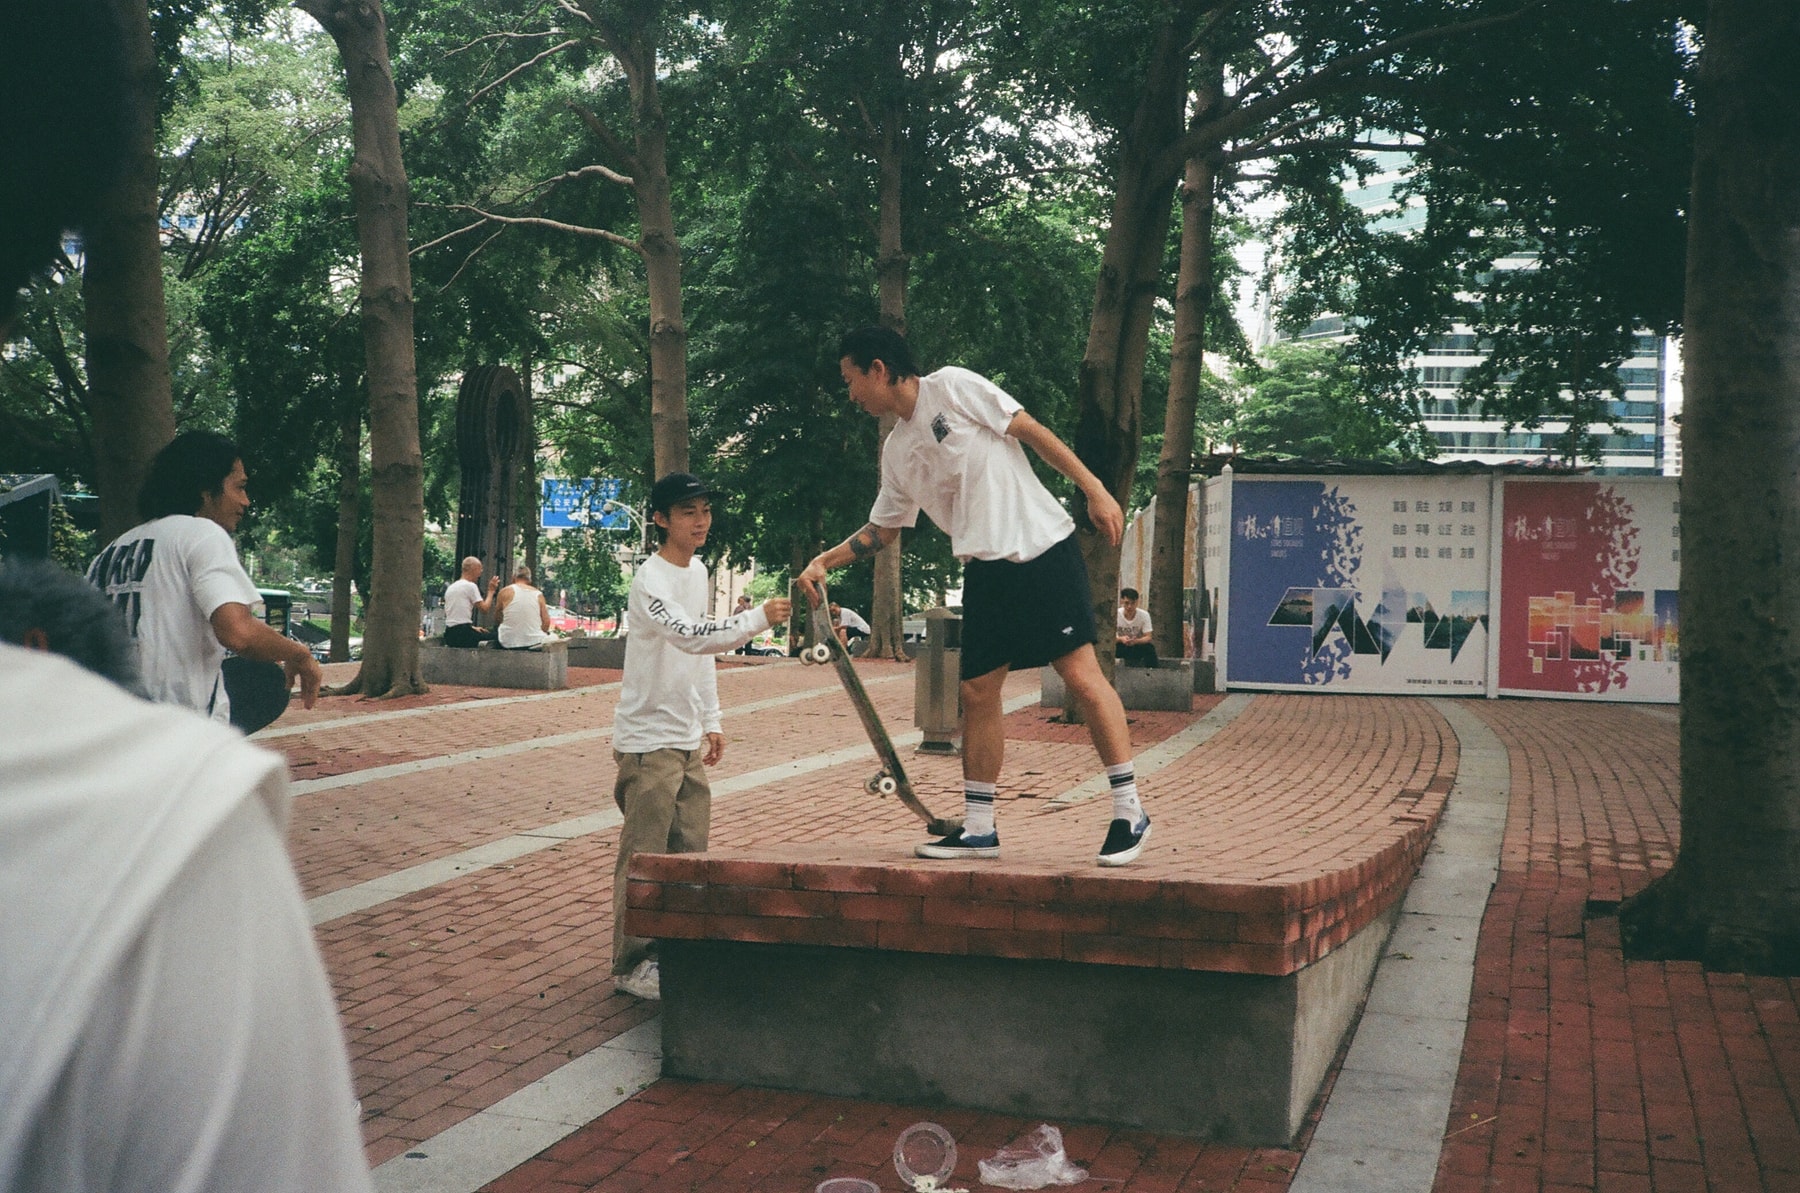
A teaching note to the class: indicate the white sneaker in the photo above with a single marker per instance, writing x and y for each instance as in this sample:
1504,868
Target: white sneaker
643,982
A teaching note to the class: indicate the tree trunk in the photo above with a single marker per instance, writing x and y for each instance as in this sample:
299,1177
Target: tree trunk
390,664
1732,900
349,490
129,390
636,55
886,612
1187,362
1109,429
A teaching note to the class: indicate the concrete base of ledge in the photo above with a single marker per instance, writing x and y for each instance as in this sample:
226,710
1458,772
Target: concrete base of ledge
1232,1058
1167,687
545,670
597,652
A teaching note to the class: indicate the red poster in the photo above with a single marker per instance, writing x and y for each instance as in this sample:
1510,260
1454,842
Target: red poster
1589,578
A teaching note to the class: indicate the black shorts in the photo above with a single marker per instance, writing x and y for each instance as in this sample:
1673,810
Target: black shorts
465,635
1023,615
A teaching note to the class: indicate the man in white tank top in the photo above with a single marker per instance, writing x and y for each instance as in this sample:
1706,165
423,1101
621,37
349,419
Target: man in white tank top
524,614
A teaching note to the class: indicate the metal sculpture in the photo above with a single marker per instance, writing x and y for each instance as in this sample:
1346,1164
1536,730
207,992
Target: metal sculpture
493,445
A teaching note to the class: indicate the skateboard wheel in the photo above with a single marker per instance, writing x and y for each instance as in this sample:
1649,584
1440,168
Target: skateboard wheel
819,653
885,785
873,786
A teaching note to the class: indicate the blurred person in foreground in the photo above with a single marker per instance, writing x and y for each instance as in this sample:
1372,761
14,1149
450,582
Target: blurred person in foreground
47,607
165,1021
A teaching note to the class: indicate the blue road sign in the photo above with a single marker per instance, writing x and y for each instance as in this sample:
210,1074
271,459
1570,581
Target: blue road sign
569,505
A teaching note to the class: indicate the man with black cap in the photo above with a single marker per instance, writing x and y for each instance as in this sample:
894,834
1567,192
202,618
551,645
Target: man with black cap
668,728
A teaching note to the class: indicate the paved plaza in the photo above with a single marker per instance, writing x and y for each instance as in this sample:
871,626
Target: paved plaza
456,850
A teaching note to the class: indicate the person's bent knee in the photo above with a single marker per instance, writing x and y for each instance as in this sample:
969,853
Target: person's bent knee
981,690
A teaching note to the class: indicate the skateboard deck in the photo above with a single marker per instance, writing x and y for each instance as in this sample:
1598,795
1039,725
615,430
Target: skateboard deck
891,779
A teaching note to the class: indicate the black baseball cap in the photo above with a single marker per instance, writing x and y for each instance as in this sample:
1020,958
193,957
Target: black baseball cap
675,488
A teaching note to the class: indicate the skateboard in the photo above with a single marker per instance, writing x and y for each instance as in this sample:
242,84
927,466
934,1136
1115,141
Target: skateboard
891,779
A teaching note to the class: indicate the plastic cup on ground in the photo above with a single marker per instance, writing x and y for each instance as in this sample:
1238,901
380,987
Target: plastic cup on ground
925,1152
846,1184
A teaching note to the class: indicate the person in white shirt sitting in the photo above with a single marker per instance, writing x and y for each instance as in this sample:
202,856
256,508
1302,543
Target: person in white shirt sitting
524,615
187,600
849,623
462,601
1134,647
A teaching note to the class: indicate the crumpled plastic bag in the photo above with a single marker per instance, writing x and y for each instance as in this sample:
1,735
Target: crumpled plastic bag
1032,1162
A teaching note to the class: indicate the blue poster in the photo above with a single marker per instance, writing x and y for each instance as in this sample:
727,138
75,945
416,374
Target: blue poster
1360,584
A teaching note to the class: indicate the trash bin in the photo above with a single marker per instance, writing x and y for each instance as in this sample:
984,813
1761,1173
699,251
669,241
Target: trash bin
937,686
275,607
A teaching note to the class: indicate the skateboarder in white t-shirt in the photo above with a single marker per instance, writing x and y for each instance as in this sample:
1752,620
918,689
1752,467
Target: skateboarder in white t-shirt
955,453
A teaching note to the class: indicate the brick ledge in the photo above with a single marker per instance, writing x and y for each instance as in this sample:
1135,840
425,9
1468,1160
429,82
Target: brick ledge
1272,926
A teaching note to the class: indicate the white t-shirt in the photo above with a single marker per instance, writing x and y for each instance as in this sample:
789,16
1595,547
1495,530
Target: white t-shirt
850,619
1136,625
460,600
165,1020
954,460
170,575
522,624
669,699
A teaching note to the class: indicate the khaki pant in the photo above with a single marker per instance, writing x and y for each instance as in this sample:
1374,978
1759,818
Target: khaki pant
668,809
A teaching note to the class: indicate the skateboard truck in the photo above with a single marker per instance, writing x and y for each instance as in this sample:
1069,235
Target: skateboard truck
891,779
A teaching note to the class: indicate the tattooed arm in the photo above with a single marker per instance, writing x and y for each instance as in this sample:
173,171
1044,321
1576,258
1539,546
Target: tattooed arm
858,547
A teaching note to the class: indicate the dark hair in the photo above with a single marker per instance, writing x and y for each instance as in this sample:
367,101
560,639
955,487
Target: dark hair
1128,594
866,345
76,619
192,467
63,120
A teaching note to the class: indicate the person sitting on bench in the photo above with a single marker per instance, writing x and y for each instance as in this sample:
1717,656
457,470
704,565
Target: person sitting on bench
524,616
849,624
1134,647
462,601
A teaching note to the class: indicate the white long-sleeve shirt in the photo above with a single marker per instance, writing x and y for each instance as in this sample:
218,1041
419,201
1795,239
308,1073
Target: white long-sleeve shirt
670,696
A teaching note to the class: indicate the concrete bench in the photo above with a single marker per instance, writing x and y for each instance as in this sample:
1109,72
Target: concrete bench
487,666
1241,946
597,652
1167,687
1007,991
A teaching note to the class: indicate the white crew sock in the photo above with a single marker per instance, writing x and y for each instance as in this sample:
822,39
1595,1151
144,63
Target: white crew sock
1126,807
978,808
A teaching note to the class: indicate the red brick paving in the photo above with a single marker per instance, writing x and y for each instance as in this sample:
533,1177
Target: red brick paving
684,1135
1580,1070
1364,745
343,836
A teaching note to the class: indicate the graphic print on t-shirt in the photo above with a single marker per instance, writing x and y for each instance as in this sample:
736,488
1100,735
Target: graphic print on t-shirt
119,572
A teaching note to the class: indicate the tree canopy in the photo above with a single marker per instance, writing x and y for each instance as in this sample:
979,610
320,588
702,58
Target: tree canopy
1308,401
1555,129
